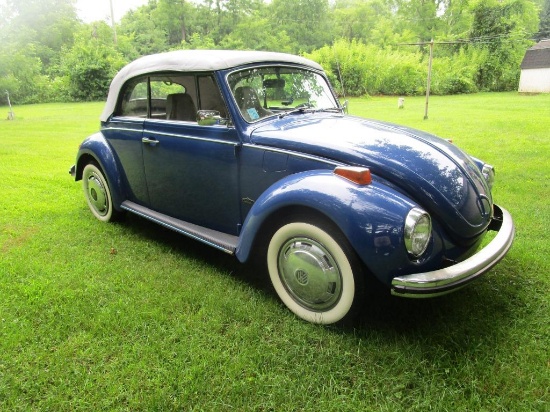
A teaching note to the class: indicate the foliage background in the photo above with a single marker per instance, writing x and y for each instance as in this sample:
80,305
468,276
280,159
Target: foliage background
369,46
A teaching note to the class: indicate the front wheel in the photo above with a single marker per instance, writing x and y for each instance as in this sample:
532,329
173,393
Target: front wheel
98,193
312,270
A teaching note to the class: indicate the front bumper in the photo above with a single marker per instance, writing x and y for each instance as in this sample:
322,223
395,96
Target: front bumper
449,279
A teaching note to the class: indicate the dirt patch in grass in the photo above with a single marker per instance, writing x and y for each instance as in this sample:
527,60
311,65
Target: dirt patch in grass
15,236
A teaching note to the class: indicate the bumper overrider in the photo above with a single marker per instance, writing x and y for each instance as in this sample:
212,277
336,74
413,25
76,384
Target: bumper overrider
449,279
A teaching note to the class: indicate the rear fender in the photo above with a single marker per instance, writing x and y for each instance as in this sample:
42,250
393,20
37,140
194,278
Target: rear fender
371,217
95,148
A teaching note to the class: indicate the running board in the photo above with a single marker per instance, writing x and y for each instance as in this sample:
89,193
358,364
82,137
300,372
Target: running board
219,240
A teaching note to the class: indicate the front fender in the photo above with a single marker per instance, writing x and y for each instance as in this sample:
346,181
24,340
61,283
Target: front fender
371,217
97,148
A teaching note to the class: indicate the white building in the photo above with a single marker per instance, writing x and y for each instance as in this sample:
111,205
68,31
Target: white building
535,69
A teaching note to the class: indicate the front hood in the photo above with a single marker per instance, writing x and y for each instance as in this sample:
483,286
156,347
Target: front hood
431,171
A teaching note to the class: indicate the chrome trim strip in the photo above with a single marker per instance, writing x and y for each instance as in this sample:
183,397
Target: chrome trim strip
192,231
182,136
292,153
442,281
123,129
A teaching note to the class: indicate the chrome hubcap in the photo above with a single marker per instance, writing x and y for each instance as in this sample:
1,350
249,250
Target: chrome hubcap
310,274
97,194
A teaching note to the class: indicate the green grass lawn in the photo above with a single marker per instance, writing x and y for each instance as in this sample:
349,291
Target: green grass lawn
130,316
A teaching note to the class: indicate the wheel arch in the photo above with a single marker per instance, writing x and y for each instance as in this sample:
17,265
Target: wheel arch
356,211
287,214
96,149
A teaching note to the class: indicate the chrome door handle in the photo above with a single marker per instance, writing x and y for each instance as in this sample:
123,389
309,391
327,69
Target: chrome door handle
150,141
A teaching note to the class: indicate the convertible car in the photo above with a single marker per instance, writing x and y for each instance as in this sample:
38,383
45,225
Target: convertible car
253,154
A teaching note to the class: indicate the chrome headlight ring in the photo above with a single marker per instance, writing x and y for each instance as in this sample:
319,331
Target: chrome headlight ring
488,173
418,232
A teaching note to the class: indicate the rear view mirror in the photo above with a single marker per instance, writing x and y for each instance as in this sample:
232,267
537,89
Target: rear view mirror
274,83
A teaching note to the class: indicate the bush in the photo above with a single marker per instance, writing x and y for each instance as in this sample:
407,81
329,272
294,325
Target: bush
366,69
455,74
90,64
20,75
404,74
352,66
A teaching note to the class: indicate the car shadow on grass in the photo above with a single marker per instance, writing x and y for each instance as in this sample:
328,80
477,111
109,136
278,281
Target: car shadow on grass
185,246
475,313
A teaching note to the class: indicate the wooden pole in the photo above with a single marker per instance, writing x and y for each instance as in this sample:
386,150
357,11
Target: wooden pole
429,79
11,116
113,21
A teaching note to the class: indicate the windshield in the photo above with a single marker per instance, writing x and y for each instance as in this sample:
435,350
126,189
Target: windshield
269,91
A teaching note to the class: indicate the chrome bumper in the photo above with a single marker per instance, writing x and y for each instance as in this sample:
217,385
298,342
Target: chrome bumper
449,279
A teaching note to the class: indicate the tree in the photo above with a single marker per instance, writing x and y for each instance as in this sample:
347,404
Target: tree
421,16
91,63
173,16
47,24
257,33
307,22
356,19
146,35
544,26
21,75
502,31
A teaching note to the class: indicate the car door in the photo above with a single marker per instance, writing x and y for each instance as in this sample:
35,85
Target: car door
191,169
124,132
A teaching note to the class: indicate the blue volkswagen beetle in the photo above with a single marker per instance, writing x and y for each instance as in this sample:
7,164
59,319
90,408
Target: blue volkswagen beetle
251,153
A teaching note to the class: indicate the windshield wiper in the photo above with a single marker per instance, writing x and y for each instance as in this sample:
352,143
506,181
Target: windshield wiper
303,109
332,110
310,109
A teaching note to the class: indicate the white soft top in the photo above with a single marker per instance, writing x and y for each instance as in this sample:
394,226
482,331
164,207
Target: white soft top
193,61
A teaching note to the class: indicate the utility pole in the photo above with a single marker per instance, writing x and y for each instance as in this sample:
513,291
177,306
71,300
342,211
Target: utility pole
429,79
113,21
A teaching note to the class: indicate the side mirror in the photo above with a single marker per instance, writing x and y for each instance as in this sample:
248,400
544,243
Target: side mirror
345,106
210,118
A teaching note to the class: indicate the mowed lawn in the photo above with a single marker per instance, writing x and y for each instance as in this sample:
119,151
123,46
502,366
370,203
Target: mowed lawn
132,317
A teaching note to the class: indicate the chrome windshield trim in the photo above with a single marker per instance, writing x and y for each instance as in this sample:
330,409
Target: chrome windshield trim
443,281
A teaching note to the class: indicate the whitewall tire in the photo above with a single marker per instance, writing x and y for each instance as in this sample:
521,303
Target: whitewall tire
98,193
312,272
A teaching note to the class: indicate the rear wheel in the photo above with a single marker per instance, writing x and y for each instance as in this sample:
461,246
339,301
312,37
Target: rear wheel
314,271
98,193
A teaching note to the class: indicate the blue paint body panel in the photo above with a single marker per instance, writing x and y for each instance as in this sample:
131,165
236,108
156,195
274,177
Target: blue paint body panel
233,175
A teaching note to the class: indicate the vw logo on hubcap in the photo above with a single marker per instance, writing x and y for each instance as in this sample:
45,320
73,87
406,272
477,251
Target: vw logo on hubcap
301,276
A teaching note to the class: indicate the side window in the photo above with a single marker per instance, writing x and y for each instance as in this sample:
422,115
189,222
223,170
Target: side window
134,101
169,97
210,96
173,98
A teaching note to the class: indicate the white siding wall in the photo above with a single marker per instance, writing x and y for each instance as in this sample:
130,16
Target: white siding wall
535,81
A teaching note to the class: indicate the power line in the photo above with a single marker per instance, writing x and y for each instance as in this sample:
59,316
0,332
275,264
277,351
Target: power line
473,40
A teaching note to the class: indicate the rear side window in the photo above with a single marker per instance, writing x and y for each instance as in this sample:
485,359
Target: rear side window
134,100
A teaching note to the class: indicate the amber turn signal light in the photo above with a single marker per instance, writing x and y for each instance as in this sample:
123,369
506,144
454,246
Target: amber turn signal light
358,175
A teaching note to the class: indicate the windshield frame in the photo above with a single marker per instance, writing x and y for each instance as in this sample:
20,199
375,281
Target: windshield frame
287,106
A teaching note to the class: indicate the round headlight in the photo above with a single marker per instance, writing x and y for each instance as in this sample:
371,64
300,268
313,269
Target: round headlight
418,231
